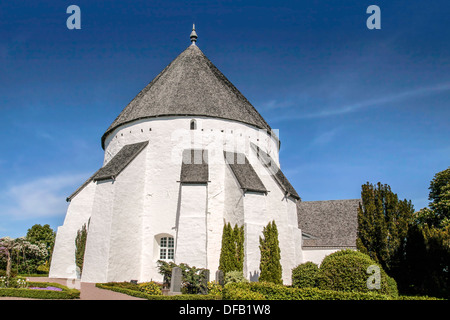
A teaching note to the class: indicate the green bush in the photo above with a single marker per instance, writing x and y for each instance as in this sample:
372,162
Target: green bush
214,288
346,270
304,275
143,295
192,277
124,285
43,268
234,291
3,273
13,282
270,291
234,276
151,288
80,247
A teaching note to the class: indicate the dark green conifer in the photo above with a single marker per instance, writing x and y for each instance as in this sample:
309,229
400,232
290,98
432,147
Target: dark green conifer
270,265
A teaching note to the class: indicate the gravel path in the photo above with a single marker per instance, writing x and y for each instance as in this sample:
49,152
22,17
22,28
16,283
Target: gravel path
88,291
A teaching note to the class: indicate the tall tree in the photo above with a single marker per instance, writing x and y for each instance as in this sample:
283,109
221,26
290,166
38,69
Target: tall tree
227,253
427,260
232,251
42,234
238,239
438,213
270,265
383,222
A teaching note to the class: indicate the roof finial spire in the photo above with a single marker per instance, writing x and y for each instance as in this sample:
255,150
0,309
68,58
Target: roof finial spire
193,35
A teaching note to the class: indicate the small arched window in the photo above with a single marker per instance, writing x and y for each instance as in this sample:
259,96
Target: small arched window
193,124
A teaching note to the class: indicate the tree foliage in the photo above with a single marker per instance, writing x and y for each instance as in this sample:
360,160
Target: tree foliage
232,251
21,256
427,263
42,234
270,265
192,278
80,247
438,213
383,222
414,248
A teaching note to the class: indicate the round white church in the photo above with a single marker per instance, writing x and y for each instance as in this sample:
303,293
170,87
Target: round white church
186,155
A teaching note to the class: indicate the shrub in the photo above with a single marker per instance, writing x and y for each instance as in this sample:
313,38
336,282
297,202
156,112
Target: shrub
124,285
13,282
346,270
43,268
65,293
150,288
192,277
140,294
80,247
304,275
234,276
214,288
233,291
271,291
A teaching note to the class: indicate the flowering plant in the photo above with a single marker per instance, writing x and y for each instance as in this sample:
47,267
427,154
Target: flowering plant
150,288
13,282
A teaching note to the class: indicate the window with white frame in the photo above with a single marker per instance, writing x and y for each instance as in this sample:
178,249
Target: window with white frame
166,248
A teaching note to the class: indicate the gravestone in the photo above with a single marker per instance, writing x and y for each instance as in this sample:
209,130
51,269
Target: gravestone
220,277
175,281
205,280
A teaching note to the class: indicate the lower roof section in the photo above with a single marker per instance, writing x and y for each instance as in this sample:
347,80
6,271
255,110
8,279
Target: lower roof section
332,223
275,172
244,172
194,167
115,166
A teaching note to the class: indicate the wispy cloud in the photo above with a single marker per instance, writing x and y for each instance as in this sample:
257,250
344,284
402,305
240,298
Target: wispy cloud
325,137
42,197
368,103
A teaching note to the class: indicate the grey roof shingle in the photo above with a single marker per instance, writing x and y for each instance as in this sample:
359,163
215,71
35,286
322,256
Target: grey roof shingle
120,161
194,167
243,171
275,171
332,223
115,166
190,86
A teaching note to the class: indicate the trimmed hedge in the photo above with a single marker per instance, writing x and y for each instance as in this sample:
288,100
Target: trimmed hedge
66,293
270,291
304,275
346,270
263,291
140,294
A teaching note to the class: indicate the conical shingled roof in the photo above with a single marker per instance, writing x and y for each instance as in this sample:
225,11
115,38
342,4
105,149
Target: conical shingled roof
190,86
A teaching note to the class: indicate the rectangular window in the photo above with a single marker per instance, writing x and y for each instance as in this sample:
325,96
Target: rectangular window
162,254
170,254
166,248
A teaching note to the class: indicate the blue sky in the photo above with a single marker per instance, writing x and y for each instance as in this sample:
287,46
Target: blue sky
351,104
